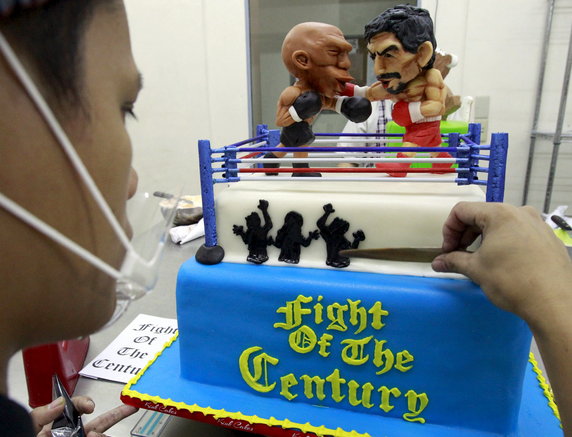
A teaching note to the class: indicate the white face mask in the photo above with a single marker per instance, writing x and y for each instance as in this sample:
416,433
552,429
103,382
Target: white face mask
138,274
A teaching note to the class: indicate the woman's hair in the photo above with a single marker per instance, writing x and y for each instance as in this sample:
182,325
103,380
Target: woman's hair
50,37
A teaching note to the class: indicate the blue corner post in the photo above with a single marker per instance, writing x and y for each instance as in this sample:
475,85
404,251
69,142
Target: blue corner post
272,135
261,129
230,164
475,132
497,167
463,176
210,252
468,174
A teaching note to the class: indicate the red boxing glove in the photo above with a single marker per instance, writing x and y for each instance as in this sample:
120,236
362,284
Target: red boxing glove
348,90
405,114
352,90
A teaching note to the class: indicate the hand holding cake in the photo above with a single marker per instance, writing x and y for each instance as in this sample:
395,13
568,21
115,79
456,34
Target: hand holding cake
519,259
523,268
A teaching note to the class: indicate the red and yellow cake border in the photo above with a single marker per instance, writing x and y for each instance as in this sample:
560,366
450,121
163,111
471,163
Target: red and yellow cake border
228,419
267,426
546,389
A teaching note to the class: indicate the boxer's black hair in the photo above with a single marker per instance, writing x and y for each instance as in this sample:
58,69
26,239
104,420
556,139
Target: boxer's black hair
412,26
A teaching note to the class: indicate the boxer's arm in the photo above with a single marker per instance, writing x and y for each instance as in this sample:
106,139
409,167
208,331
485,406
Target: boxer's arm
304,107
286,99
435,94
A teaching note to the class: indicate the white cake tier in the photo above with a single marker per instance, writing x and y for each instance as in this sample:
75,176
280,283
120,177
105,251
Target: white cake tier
391,214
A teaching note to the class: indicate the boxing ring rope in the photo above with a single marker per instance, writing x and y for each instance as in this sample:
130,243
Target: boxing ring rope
465,149
356,140
332,158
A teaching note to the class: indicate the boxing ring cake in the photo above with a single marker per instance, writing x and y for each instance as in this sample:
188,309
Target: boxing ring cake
281,335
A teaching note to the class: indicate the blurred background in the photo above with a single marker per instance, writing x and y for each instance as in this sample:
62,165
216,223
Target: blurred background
212,70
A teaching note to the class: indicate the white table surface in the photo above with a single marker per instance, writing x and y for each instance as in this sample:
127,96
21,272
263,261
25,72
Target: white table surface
161,303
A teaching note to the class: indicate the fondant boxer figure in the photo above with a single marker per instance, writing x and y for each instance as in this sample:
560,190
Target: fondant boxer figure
256,236
290,240
334,236
402,44
317,55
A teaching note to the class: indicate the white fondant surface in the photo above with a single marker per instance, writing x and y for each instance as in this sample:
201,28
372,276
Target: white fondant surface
391,214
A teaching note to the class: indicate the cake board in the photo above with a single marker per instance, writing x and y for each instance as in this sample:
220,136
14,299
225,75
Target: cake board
160,387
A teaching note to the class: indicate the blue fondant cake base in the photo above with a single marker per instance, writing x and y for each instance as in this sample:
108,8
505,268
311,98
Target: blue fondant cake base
424,350
339,353
162,380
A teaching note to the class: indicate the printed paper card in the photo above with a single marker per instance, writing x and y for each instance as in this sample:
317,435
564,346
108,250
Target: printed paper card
133,348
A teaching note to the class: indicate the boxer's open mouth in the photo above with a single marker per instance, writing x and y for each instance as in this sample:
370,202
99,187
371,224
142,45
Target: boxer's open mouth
386,78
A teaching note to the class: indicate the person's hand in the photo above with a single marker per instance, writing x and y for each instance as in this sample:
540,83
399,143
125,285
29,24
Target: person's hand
359,235
263,204
520,265
43,416
329,208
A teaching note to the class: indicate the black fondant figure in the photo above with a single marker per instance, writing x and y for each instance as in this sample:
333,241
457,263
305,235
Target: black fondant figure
334,236
256,236
289,238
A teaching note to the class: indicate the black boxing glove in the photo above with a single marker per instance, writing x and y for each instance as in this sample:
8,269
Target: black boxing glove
306,106
356,109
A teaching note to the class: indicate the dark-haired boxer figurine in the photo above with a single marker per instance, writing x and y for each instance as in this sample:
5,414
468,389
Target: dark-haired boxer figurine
256,235
317,55
290,240
334,236
402,44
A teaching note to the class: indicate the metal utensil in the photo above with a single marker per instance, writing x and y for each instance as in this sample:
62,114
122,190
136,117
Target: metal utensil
562,224
69,423
405,254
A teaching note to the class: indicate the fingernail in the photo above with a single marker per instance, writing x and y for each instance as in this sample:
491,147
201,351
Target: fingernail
438,265
56,403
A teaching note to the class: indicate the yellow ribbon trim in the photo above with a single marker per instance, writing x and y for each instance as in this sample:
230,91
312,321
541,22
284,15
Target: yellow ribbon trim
286,424
546,389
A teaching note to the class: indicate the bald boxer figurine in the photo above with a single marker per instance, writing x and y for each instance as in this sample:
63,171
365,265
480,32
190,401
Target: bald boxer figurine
317,55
